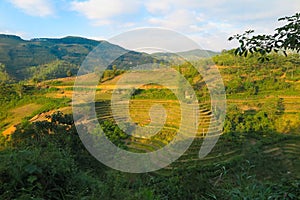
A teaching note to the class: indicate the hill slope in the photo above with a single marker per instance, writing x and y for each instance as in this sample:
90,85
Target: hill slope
191,55
18,55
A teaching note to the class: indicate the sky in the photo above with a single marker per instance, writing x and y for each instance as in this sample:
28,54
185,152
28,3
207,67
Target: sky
207,22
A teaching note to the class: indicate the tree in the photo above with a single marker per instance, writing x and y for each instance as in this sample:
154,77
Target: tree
114,68
20,89
69,73
3,74
285,38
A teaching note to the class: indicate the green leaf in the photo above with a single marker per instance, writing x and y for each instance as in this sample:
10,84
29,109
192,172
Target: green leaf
31,179
32,169
242,43
261,59
236,51
262,51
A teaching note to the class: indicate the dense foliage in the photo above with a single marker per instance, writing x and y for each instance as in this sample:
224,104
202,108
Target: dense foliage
55,69
45,58
257,157
19,94
46,160
279,67
285,38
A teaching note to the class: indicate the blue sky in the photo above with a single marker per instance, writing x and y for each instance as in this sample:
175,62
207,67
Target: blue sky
208,22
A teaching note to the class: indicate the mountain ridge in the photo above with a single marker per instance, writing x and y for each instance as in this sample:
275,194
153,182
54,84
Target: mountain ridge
18,55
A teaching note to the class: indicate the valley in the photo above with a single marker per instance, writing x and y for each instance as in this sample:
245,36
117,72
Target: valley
257,155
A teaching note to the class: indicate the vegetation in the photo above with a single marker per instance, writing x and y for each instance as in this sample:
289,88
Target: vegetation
153,94
285,38
109,74
45,58
256,157
53,70
47,160
4,77
16,95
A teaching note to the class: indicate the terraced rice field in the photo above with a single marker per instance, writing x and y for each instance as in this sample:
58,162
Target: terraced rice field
224,152
286,152
139,112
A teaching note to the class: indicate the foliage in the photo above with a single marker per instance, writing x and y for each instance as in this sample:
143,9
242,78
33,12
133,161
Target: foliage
153,94
114,133
251,77
4,77
244,185
22,56
252,121
19,94
285,38
41,163
39,173
55,69
46,160
110,74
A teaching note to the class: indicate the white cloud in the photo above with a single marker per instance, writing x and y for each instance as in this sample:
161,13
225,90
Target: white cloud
40,8
216,41
158,6
102,11
181,20
209,21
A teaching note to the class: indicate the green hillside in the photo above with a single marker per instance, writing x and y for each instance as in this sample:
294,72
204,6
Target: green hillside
17,54
256,157
181,57
21,57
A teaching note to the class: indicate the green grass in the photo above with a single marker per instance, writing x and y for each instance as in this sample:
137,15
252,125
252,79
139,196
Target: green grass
33,104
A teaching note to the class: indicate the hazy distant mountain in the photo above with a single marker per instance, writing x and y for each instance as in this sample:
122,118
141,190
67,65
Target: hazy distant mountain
19,55
195,54
198,53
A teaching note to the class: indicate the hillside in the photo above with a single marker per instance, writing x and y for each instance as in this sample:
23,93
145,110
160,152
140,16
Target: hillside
180,57
256,156
20,55
48,58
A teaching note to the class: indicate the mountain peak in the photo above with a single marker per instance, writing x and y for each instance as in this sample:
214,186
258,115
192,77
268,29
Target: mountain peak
15,37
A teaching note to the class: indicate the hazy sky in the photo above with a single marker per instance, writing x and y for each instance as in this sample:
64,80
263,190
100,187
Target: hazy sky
208,22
